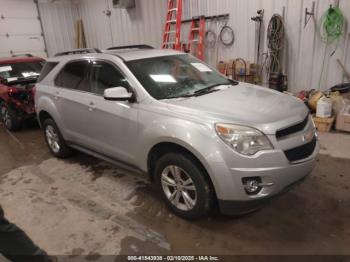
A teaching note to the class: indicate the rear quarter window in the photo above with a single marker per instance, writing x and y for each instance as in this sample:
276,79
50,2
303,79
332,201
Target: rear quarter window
48,67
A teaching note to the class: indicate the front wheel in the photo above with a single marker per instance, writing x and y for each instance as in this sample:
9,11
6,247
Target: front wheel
9,117
184,185
55,141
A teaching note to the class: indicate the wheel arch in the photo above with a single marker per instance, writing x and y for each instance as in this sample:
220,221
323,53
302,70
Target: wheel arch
45,107
162,148
42,116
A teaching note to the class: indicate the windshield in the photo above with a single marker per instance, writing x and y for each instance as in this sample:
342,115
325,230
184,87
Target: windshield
175,76
20,71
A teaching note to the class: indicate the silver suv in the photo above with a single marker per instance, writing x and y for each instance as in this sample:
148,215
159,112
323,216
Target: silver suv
204,139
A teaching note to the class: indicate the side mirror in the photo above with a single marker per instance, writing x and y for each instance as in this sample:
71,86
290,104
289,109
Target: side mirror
118,94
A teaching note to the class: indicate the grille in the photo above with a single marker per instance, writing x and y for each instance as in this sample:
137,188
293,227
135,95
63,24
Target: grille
301,152
293,129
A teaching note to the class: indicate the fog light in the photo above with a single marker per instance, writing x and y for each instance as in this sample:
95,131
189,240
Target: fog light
252,185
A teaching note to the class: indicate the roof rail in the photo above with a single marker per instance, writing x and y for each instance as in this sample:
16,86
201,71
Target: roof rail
80,51
20,55
131,47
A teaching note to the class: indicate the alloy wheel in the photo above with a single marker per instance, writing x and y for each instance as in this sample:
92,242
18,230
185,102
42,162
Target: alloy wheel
52,139
179,188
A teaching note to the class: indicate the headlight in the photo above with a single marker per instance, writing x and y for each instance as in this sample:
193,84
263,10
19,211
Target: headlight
245,140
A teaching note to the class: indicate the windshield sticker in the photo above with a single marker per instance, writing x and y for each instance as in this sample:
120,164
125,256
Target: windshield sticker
29,74
201,67
11,79
5,68
163,78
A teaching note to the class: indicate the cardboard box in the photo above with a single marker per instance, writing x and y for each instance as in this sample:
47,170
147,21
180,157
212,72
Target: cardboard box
240,67
229,64
343,119
249,74
222,67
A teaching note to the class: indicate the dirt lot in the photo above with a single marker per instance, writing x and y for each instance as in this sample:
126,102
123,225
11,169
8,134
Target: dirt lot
86,206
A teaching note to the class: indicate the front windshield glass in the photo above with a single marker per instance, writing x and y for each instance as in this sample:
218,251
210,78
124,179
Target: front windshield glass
175,76
20,71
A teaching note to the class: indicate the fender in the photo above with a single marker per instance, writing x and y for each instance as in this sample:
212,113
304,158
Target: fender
44,103
189,135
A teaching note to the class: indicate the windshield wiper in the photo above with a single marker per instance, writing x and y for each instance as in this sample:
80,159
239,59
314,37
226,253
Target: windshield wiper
179,96
209,89
204,91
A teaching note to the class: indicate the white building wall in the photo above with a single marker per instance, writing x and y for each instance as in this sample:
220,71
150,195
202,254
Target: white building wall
58,19
144,24
20,30
303,47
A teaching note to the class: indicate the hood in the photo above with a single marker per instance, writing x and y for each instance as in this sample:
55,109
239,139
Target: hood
245,104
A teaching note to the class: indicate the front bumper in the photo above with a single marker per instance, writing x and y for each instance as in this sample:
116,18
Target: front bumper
276,172
228,207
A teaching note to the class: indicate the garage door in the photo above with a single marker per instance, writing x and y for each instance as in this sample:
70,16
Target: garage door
20,29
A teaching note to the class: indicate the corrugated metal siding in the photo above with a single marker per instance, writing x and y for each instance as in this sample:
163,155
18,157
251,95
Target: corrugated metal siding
96,23
58,21
304,50
143,24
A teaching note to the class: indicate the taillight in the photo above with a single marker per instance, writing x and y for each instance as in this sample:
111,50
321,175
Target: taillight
10,92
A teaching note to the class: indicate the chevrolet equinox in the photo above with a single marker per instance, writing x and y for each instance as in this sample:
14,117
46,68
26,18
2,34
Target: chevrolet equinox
203,138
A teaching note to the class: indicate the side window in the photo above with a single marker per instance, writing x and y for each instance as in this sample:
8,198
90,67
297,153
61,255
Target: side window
104,76
48,67
74,76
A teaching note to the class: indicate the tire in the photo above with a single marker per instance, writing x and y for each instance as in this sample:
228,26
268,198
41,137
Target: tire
188,198
10,118
55,141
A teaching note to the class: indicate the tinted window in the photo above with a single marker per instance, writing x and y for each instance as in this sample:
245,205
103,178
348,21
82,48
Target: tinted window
74,76
48,67
104,76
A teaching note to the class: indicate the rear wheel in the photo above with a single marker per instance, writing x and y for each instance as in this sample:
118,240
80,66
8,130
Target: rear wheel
9,117
183,185
55,141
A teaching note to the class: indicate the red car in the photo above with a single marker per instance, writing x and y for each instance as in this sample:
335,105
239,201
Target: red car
18,76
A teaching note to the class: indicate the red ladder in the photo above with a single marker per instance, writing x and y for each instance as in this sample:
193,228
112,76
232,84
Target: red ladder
173,18
197,36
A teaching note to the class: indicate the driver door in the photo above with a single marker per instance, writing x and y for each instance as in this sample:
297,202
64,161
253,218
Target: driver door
113,125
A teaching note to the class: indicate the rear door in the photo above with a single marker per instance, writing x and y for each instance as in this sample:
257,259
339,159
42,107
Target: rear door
72,98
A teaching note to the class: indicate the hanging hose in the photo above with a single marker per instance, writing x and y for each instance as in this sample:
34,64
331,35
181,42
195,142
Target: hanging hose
331,30
275,36
272,63
331,26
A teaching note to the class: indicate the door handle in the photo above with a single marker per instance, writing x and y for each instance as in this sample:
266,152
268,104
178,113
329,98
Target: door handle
91,106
